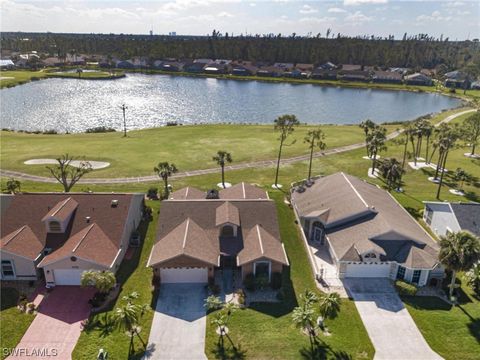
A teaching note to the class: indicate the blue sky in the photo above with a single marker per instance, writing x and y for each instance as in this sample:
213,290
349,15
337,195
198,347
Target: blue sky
456,19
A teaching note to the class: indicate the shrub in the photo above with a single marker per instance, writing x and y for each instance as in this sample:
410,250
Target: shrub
276,281
452,91
249,282
30,308
404,288
241,296
261,282
100,129
152,193
50,132
214,289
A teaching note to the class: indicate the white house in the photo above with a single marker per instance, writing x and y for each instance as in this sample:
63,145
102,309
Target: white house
444,217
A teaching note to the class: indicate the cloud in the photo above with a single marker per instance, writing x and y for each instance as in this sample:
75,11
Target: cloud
363,2
253,4
358,18
317,20
435,16
224,14
307,9
453,4
336,10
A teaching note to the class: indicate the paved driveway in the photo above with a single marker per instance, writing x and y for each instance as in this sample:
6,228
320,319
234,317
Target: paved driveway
389,325
178,328
57,326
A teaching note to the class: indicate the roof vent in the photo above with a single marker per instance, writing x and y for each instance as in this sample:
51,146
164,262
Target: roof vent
212,194
114,203
87,219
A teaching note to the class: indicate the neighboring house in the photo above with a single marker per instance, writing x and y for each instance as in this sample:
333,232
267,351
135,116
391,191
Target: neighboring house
174,66
157,64
457,80
199,233
284,66
351,67
215,68
324,74
354,75
270,71
444,217
390,77
418,79
125,64
366,231
244,69
194,67
400,70
203,61
328,66
7,64
53,61
475,85
66,234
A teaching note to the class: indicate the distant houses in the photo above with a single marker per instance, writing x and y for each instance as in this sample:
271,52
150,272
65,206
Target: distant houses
418,79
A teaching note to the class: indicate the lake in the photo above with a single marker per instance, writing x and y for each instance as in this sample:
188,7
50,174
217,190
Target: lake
153,100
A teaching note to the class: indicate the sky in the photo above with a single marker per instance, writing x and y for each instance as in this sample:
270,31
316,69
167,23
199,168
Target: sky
456,19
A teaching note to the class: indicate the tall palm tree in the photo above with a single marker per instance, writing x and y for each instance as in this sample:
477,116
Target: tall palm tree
459,251
392,171
303,318
285,125
314,139
164,170
329,305
367,126
461,176
376,142
221,158
448,137
472,130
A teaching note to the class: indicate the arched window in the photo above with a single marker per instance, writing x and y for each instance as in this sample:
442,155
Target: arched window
54,226
318,232
227,231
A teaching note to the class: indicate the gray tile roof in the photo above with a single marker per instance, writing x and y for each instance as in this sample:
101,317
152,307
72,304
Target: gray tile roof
468,216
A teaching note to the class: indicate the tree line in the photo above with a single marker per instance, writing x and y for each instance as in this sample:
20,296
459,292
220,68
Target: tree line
419,51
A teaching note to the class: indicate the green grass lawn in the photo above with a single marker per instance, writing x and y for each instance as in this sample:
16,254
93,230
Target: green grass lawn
87,75
18,77
12,321
451,331
266,331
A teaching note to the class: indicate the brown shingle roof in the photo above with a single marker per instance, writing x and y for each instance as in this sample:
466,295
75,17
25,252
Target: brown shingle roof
227,213
188,239
260,244
90,244
22,242
62,210
187,193
242,191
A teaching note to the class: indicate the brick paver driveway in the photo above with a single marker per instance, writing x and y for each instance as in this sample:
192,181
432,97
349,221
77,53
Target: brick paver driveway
57,326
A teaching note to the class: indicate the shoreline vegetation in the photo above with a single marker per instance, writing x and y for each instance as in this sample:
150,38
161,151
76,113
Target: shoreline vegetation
23,77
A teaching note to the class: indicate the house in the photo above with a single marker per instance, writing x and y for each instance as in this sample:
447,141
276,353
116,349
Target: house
194,67
324,74
418,79
25,60
351,67
58,236
390,77
244,70
125,64
200,233
328,66
444,217
270,71
157,64
354,75
400,70
174,66
366,232
203,61
475,85
215,68
53,61
457,80
284,66
6,64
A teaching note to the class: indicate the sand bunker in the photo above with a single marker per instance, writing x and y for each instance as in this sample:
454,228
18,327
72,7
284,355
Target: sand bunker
95,164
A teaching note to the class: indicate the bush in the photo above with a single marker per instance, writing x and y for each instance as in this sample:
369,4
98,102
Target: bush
452,91
261,282
100,129
50,132
249,282
241,296
276,281
152,193
404,288
214,289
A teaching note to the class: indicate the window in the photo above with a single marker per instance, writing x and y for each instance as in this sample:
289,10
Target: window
227,231
428,216
370,256
54,226
262,268
401,273
7,269
416,276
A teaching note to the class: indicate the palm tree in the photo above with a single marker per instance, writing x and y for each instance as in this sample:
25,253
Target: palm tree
329,306
284,124
392,171
448,137
221,158
314,139
165,170
103,280
376,142
302,317
461,176
13,186
472,130
367,126
126,318
459,251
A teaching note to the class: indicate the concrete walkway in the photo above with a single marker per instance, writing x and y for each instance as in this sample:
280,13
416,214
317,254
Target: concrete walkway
392,330
179,322
255,164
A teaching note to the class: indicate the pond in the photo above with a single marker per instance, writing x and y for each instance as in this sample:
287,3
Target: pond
153,100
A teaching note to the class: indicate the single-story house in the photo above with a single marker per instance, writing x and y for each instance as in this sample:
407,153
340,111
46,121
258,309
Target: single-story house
475,85
174,66
54,61
125,64
284,66
194,67
6,64
58,236
387,77
244,69
351,67
270,71
418,79
354,75
445,217
203,61
457,80
324,74
215,68
199,233
366,231
328,66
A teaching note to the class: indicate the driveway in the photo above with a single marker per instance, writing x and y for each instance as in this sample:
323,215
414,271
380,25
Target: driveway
178,328
389,325
57,326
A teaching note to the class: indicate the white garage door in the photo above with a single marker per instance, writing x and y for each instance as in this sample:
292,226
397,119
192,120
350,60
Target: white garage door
68,276
368,270
184,275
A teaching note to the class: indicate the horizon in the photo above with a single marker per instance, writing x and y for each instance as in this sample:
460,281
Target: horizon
352,18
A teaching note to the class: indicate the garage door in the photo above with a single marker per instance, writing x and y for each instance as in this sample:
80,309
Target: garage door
67,276
368,270
184,275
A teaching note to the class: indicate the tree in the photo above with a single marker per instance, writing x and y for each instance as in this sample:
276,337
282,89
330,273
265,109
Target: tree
221,158
103,280
367,126
329,306
473,278
124,108
375,143
448,137
392,171
285,125
164,170
461,176
79,72
314,139
13,186
459,251
471,130
409,137
67,174
222,318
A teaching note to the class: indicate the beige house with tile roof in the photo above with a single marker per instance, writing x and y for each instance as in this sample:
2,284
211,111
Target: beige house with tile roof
366,231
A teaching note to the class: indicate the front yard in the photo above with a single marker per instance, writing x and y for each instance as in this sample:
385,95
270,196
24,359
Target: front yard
12,321
266,331
452,331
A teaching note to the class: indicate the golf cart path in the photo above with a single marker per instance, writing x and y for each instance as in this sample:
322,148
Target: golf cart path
241,166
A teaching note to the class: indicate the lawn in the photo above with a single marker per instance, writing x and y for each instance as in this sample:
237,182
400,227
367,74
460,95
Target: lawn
13,78
12,321
97,75
451,331
266,331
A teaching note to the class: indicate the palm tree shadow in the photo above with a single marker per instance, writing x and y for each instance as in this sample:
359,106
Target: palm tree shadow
230,352
319,350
